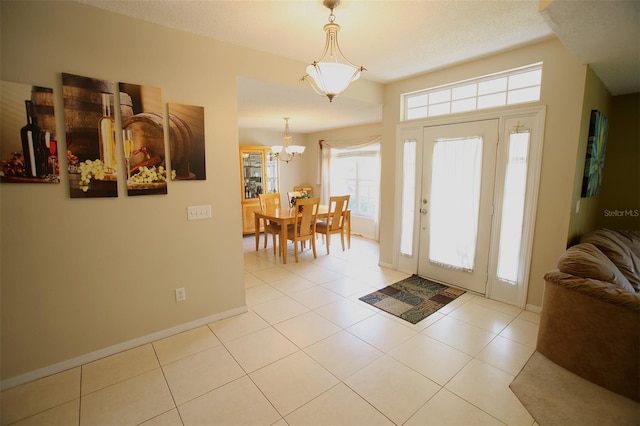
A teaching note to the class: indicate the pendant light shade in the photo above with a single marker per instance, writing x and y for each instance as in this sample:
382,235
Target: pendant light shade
333,72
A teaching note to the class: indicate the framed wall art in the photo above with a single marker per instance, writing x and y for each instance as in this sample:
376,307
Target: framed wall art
186,139
89,118
29,141
143,141
594,161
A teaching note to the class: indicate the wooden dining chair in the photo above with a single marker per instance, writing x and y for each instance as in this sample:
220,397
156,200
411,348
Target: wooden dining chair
335,222
305,226
268,202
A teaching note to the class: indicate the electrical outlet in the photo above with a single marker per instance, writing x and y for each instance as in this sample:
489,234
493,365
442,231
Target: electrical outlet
181,295
199,212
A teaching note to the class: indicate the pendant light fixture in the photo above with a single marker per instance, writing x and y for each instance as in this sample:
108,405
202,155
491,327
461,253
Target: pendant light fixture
287,152
332,73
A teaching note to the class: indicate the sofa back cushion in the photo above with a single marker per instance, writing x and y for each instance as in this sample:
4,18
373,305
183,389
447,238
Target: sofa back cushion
586,261
631,240
617,247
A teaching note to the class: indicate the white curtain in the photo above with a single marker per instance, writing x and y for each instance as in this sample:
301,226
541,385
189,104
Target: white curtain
455,201
513,203
324,157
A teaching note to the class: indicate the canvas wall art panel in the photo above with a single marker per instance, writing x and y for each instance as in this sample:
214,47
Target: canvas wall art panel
143,141
89,117
28,137
186,139
594,161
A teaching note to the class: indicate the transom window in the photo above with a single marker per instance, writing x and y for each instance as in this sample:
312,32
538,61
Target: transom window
510,87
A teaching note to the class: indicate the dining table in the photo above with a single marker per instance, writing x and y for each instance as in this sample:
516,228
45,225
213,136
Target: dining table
287,216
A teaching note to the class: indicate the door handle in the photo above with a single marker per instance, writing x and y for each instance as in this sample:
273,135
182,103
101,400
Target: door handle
424,203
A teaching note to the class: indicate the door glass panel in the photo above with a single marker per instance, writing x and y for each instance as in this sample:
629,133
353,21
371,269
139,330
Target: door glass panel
417,112
523,95
455,198
493,100
515,185
272,173
252,170
439,97
439,109
494,85
465,92
408,197
463,105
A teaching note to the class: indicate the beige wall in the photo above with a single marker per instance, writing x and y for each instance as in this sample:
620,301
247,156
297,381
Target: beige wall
563,83
81,275
619,204
583,220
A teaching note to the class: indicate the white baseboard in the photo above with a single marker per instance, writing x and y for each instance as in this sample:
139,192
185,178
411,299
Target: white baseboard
533,308
111,350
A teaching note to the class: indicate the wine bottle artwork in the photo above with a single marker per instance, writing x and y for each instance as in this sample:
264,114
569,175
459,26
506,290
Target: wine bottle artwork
33,149
52,145
90,151
127,139
107,137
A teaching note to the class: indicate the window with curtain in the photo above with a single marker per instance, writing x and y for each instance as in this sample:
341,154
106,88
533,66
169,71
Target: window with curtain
357,172
513,204
408,197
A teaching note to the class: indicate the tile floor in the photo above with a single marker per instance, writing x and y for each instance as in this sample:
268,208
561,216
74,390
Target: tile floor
307,352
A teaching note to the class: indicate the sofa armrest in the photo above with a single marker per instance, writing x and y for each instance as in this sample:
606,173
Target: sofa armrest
592,328
602,290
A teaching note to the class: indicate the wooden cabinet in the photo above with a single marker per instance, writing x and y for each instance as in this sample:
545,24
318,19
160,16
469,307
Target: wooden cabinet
259,173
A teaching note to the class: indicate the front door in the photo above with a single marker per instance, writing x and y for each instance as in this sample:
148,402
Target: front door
458,173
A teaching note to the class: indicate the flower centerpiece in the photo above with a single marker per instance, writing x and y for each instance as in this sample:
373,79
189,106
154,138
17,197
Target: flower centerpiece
299,195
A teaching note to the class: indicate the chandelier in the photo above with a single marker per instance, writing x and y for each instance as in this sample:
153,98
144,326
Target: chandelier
286,152
332,74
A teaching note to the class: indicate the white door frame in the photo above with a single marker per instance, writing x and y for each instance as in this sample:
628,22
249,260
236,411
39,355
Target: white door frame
535,117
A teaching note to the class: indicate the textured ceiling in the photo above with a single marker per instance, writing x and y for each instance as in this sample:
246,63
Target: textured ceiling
393,39
603,34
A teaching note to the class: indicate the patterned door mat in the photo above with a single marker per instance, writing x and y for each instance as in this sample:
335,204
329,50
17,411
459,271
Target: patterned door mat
412,299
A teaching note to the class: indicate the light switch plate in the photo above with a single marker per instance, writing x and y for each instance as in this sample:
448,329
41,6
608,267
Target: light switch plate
181,294
199,212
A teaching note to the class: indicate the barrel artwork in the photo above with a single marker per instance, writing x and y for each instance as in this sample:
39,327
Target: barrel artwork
186,141
144,141
28,140
89,117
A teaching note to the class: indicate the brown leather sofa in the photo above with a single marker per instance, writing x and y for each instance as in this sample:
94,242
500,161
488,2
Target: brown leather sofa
590,318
